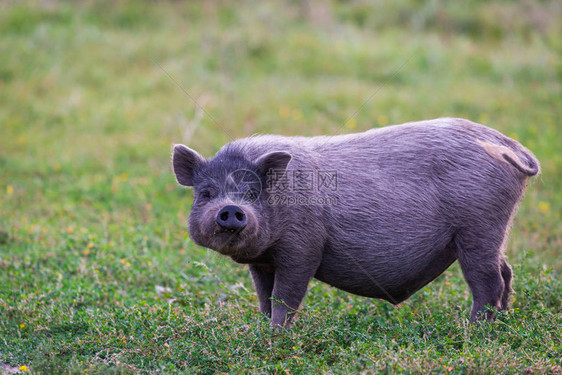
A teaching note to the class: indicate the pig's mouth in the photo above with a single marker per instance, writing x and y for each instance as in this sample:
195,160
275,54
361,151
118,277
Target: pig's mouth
228,237
236,243
230,231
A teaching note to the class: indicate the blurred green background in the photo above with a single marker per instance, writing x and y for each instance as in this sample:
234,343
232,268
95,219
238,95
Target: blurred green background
94,93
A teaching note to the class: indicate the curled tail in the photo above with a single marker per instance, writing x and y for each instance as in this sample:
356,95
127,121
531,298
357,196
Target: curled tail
529,167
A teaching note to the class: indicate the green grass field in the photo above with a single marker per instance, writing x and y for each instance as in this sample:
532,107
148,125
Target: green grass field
97,272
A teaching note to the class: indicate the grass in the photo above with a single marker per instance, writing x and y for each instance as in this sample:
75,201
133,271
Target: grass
97,273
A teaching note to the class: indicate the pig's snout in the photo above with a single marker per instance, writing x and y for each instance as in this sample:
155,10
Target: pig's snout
231,218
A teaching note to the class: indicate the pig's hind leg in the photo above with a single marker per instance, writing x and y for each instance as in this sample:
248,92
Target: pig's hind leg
507,275
481,259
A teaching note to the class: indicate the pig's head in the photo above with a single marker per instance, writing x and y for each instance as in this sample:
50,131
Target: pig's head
230,213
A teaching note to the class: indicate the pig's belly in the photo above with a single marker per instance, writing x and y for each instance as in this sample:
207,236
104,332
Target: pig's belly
384,273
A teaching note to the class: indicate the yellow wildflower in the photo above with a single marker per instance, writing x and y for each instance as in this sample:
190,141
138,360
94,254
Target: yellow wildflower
382,120
351,123
284,112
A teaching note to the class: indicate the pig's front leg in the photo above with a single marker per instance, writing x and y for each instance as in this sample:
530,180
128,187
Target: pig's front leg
263,277
291,282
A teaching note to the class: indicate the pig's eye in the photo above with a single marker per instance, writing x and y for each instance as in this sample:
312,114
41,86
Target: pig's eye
205,194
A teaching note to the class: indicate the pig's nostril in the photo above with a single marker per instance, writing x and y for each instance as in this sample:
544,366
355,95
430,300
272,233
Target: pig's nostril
239,216
224,216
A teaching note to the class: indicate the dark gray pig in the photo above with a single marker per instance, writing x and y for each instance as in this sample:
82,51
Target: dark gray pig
378,214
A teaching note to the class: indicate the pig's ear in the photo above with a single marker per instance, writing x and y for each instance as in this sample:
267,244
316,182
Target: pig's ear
185,162
276,160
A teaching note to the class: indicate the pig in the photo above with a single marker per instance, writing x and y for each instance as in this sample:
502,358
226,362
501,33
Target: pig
378,214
